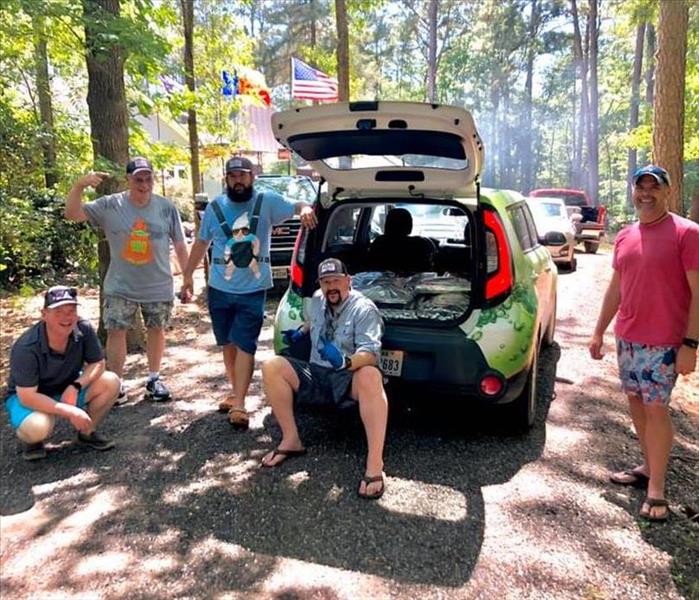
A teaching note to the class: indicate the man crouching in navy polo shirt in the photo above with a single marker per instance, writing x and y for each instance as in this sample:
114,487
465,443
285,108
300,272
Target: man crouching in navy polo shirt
57,368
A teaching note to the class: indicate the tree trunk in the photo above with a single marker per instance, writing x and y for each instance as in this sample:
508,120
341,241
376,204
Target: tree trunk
43,89
633,113
526,151
578,170
432,12
106,102
187,7
343,59
668,116
593,121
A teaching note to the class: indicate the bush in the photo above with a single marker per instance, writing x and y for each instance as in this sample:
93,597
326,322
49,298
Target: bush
39,247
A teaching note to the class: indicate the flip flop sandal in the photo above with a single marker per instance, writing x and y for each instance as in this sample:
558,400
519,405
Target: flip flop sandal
653,503
226,404
239,418
630,477
286,454
367,480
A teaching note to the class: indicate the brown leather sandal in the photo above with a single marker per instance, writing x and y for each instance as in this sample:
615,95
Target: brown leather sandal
239,418
227,403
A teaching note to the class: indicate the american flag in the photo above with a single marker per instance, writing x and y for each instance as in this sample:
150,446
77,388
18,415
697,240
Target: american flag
308,83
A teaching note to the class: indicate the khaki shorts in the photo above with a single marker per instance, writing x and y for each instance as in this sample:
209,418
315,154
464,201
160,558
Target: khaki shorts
120,313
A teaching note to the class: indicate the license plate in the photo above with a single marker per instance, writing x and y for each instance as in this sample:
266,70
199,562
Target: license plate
392,362
280,272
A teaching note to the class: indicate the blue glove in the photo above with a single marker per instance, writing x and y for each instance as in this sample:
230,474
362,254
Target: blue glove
331,353
291,336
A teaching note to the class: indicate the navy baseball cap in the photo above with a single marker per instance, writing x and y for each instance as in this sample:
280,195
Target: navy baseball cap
138,164
658,173
331,267
60,295
238,163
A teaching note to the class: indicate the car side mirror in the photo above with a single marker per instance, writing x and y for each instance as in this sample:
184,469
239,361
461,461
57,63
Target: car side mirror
554,238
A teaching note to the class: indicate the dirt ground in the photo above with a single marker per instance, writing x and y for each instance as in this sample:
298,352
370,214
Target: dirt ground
180,509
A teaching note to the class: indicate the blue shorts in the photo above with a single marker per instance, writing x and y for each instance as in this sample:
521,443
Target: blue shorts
18,412
647,371
237,318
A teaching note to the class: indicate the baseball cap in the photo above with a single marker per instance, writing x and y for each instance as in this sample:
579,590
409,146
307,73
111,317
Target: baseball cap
238,163
138,164
331,267
660,174
60,295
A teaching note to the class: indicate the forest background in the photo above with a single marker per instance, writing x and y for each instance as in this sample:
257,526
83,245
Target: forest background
565,93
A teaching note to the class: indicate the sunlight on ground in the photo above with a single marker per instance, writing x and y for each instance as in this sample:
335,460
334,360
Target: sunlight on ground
224,471
75,528
421,499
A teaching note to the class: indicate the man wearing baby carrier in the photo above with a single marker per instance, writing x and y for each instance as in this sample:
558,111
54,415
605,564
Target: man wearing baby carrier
239,225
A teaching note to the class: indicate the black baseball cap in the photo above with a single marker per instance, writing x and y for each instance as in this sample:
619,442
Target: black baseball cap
658,173
331,267
60,295
238,163
138,164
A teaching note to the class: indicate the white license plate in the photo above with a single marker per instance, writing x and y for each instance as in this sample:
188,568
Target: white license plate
280,272
392,362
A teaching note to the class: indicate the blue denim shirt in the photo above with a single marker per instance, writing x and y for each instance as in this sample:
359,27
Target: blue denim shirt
355,326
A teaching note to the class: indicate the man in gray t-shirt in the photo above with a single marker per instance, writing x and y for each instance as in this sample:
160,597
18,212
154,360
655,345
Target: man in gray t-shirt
139,226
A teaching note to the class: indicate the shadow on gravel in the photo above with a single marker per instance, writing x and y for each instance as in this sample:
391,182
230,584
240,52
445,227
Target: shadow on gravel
186,489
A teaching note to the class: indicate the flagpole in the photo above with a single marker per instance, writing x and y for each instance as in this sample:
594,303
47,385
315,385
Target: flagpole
291,102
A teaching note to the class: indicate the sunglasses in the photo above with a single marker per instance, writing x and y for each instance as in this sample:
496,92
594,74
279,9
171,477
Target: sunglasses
59,295
243,230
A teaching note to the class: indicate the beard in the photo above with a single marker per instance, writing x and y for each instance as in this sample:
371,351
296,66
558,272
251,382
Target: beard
336,297
239,193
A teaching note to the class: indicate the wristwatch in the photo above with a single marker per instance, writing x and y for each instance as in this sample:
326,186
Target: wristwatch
348,363
691,342
77,385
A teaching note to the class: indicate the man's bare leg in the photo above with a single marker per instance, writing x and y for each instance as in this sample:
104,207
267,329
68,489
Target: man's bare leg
116,351
155,348
279,381
367,387
101,396
658,442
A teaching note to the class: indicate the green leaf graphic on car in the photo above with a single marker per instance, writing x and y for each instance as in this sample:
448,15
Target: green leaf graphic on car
510,327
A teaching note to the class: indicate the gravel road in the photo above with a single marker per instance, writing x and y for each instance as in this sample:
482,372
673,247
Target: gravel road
180,509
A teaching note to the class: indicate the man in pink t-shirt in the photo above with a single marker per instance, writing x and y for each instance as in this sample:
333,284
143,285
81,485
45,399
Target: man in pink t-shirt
654,293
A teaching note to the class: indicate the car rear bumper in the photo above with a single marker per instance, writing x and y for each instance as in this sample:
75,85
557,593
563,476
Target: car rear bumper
450,365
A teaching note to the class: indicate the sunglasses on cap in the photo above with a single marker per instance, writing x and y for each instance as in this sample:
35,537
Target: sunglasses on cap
60,295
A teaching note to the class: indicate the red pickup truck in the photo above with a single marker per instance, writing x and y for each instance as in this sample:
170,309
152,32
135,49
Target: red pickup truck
589,225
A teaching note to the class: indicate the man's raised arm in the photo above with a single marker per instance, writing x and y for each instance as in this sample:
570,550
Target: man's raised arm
74,205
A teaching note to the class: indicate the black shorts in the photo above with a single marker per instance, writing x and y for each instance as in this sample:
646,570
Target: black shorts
322,386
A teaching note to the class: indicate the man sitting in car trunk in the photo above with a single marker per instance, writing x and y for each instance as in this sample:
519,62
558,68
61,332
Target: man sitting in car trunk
345,330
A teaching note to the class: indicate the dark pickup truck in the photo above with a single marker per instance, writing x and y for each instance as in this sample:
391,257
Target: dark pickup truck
589,225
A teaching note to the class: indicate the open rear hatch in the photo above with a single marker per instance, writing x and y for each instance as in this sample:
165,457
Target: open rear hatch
374,149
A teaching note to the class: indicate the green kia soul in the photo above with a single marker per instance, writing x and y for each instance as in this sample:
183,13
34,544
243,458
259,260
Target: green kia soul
466,288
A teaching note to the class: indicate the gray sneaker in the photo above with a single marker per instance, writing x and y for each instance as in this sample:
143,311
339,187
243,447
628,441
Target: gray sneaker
34,451
96,441
122,398
156,391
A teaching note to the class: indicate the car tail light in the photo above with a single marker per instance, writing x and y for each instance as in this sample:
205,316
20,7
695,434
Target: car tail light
499,278
297,258
491,385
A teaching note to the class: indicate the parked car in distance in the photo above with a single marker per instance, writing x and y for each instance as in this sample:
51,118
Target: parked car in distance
555,228
295,188
468,296
590,219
